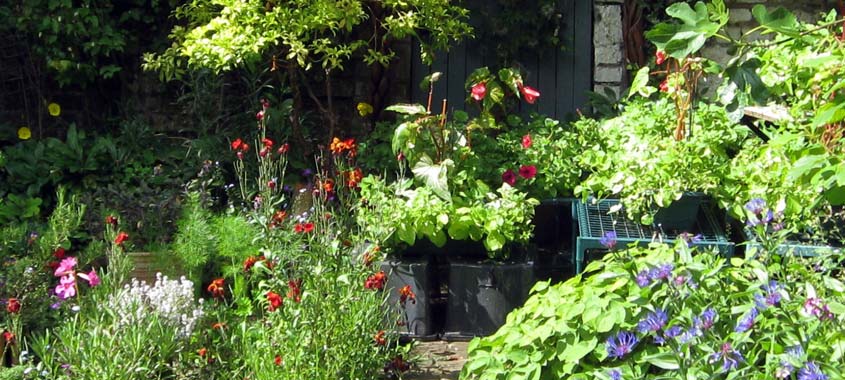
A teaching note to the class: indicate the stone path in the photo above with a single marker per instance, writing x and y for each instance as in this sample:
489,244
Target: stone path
437,360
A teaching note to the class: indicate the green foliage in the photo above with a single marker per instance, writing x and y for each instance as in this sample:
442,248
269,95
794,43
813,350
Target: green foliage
635,158
698,23
564,331
194,242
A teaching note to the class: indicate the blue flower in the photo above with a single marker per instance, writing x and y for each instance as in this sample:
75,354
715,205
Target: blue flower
608,240
747,321
662,272
643,279
689,335
621,344
811,371
615,374
730,358
795,351
653,322
674,331
756,206
708,317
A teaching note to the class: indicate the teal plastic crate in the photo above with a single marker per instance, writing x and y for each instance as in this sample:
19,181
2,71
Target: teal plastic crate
594,220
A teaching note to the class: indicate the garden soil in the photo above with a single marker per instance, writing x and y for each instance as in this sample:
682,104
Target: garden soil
437,360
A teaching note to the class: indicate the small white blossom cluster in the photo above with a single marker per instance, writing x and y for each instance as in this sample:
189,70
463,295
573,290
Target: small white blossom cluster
172,301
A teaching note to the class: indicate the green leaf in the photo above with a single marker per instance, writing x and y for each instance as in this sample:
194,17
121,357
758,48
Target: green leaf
494,241
434,176
408,109
744,76
664,360
780,20
574,352
682,40
400,137
426,83
829,113
640,84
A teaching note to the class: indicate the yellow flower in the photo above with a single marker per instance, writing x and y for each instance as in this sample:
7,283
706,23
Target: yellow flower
24,133
54,109
364,109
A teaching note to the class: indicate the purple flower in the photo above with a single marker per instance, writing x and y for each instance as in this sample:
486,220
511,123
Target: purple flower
609,239
768,217
690,239
795,351
674,331
756,206
816,307
653,322
811,371
747,321
643,279
662,272
621,344
615,374
307,173
771,297
689,335
708,317
730,358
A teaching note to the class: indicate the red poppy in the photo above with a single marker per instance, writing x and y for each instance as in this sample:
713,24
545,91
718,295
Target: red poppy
59,253
202,351
249,263
375,281
275,301
309,227
527,171
509,177
303,227
111,220
406,294
295,290
660,57
236,145
267,142
664,86
121,238
379,338
529,93
283,149
216,288
526,141
13,305
479,90
8,336
278,360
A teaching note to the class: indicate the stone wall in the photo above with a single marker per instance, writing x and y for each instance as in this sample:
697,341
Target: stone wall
609,64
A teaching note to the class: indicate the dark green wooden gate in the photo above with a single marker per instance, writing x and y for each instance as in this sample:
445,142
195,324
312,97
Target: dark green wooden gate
563,76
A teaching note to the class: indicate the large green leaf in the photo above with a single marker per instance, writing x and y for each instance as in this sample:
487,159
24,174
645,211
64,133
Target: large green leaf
665,360
401,136
686,38
744,76
579,349
780,20
434,176
408,109
640,84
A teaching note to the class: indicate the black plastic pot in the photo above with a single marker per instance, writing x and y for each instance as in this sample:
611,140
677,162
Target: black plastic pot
482,293
419,273
681,214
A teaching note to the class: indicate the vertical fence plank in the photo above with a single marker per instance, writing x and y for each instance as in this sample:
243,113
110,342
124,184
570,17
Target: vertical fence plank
566,61
583,63
456,75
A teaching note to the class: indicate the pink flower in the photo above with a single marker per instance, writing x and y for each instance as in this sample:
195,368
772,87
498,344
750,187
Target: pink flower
527,171
66,287
509,177
91,277
664,86
65,267
526,141
529,93
479,90
660,57
260,115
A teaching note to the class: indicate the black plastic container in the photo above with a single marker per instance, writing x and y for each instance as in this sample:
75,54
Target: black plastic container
419,273
681,214
482,293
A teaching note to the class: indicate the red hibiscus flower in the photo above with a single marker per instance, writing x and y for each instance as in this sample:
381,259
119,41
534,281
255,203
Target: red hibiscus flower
13,305
527,171
275,301
121,238
509,177
376,281
660,57
529,93
379,338
479,90
526,141
216,288
406,294
237,144
295,290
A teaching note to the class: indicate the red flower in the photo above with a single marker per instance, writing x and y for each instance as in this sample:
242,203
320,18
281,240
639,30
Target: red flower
353,177
397,364
283,149
479,90
13,306
379,338
295,290
303,227
216,288
328,185
111,220
309,227
249,263
271,184
509,177
275,301
526,141
267,142
660,57
664,86
347,146
218,325
263,152
279,216
278,360
406,294
529,93
121,238
236,145
265,103
260,115
8,336
527,171
202,351
240,155
59,253
376,281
